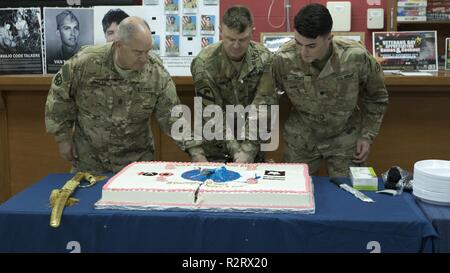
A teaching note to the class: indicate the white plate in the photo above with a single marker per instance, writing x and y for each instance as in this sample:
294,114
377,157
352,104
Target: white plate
432,196
433,168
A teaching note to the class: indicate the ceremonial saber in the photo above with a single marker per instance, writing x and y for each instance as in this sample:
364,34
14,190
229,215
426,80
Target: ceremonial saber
341,184
59,198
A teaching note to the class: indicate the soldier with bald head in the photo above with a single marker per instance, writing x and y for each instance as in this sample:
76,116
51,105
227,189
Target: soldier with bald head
100,103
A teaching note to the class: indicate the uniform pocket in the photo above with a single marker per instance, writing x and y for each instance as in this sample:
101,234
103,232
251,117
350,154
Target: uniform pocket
142,105
347,91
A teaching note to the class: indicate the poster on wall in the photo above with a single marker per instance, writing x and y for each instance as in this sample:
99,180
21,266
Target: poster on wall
65,31
183,27
21,41
406,50
447,53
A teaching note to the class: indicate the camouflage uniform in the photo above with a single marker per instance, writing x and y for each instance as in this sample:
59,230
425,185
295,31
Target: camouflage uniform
218,82
171,7
110,109
172,27
325,120
189,27
208,27
190,5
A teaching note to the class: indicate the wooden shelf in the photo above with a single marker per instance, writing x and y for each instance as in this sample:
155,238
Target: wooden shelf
42,82
439,79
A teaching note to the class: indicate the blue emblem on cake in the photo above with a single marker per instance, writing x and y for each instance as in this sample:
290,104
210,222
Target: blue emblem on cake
219,175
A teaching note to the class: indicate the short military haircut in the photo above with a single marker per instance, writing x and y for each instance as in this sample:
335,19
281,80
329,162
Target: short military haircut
313,20
127,30
238,18
60,18
113,16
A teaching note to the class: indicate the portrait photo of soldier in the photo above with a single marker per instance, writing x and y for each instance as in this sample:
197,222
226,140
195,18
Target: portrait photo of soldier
171,6
207,24
172,24
172,45
206,41
73,29
190,6
189,27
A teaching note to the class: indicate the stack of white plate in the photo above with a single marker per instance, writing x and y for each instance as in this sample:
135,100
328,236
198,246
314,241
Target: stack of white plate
432,181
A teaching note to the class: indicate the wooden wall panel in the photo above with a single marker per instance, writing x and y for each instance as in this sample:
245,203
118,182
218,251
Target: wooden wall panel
32,152
5,186
416,126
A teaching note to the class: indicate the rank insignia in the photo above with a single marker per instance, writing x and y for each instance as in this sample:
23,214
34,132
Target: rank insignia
58,79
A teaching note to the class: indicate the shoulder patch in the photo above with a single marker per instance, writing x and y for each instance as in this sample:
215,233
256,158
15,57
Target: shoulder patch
58,79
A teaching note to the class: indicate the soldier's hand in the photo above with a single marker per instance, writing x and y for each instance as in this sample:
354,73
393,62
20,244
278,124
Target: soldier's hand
197,154
362,151
67,150
199,158
242,157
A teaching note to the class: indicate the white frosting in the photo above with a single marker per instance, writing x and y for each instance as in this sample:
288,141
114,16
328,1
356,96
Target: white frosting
262,187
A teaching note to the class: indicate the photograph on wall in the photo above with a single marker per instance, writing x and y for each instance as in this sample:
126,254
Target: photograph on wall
172,45
171,6
151,2
190,6
156,45
21,41
206,41
210,2
447,53
189,25
172,24
207,25
65,31
108,18
406,50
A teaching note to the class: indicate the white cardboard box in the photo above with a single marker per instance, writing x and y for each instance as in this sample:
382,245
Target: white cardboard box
364,178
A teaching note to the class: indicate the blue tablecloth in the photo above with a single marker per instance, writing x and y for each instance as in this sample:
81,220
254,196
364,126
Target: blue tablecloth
439,216
341,223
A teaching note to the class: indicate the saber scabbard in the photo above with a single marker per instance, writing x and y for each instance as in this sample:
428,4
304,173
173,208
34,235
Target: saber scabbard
59,198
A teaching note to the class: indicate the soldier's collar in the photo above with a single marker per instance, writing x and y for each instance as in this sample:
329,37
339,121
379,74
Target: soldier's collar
110,58
126,74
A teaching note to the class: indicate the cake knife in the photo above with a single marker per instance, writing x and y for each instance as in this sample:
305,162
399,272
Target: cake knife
341,184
